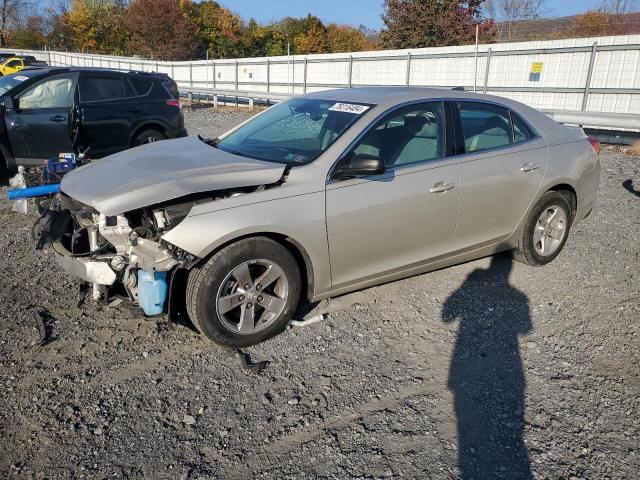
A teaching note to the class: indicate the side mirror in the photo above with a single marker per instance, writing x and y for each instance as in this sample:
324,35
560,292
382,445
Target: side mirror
360,165
7,103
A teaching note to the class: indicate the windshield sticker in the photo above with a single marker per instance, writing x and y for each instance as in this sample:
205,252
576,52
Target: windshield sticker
349,108
22,78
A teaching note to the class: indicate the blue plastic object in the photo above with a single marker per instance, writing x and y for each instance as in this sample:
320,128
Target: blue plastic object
39,191
152,291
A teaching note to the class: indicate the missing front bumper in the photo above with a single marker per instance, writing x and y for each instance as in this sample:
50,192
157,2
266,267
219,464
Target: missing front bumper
88,270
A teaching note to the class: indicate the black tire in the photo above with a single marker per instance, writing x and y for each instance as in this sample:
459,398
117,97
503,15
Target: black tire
525,252
148,136
206,281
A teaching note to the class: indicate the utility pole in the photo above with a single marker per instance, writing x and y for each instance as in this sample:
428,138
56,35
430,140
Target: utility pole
288,67
475,75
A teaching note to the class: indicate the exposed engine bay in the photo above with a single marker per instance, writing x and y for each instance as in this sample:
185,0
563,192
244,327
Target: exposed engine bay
122,256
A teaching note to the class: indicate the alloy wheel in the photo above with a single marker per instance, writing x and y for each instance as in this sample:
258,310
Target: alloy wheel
252,296
550,230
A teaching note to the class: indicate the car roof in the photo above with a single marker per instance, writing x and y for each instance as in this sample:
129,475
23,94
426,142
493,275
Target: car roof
48,69
105,70
385,95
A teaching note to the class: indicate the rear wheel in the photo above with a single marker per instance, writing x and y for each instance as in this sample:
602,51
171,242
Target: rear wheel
148,136
545,231
245,293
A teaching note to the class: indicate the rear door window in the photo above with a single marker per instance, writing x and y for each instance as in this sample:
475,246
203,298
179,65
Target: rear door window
100,88
141,86
484,126
521,131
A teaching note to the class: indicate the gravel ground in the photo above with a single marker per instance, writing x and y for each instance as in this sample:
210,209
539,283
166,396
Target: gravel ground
485,370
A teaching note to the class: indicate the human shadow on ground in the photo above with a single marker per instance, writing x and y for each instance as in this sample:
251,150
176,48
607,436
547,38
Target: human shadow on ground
628,185
486,374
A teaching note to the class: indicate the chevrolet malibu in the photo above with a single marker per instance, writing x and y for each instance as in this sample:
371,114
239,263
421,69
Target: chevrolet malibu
318,196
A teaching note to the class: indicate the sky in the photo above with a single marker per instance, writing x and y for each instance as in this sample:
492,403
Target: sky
356,12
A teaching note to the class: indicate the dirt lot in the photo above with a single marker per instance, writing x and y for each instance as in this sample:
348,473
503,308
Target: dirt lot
486,370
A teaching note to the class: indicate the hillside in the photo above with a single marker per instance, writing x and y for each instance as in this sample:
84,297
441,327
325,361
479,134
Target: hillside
591,24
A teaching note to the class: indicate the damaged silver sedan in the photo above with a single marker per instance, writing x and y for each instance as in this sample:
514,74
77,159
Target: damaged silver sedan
315,197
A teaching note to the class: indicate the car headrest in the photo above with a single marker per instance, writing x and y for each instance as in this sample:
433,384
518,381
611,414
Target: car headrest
495,125
430,130
414,124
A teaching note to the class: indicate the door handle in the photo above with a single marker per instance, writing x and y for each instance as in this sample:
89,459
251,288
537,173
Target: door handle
441,187
529,167
58,118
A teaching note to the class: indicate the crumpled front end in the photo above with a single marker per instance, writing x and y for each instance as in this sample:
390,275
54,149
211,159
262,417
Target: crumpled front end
121,256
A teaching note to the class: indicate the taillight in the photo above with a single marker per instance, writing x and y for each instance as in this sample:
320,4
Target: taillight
595,144
174,103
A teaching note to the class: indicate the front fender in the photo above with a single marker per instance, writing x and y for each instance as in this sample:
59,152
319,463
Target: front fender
300,218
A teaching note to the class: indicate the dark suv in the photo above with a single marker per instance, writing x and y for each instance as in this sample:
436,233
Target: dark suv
47,111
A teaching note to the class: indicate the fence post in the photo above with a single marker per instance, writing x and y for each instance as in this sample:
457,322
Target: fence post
304,77
587,87
173,77
236,63
350,71
214,75
486,71
408,68
191,74
268,75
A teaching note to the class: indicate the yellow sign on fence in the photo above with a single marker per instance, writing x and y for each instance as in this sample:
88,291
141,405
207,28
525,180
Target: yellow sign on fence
536,67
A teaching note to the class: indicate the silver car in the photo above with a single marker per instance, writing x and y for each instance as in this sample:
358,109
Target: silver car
318,196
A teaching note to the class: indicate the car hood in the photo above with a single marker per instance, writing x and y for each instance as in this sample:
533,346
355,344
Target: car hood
163,171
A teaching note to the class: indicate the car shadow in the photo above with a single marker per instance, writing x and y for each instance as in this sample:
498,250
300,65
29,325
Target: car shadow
486,375
5,175
628,185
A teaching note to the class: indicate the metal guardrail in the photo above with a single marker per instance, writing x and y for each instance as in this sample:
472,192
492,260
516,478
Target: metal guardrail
218,95
618,121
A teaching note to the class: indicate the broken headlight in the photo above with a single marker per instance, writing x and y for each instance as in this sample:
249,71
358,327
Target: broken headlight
168,217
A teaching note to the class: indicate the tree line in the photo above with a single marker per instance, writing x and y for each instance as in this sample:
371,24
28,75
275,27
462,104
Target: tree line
171,30
186,29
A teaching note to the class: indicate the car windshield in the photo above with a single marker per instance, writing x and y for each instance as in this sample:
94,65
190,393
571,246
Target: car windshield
10,81
294,132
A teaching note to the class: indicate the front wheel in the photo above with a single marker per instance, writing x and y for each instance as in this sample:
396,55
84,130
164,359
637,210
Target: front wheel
545,231
245,293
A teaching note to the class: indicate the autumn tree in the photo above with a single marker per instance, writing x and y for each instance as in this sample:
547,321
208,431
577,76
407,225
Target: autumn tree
260,41
315,40
433,23
306,35
219,28
98,25
10,11
345,38
591,24
30,35
160,29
